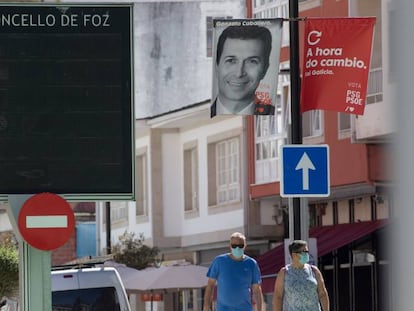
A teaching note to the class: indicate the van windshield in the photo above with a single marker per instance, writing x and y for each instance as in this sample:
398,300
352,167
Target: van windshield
87,299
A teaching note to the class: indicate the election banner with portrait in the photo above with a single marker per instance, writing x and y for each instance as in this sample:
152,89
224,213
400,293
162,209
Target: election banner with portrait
336,63
245,66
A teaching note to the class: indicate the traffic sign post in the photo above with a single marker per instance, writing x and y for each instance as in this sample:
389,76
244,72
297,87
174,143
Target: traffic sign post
46,221
34,264
304,171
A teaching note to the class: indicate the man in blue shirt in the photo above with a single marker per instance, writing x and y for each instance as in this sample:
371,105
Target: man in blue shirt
237,277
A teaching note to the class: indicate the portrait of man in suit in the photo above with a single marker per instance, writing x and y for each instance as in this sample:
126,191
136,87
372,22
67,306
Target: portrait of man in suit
241,62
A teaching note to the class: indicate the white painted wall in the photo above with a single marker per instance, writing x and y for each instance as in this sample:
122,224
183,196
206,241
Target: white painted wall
376,120
172,72
172,69
172,184
175,224
5,224
268,212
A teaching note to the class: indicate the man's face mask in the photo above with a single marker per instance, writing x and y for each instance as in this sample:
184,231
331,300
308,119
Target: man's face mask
237,252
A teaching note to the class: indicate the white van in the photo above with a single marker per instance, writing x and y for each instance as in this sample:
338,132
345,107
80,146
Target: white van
98,289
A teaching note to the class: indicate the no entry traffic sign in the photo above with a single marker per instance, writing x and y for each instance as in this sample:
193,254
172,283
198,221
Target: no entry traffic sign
46,221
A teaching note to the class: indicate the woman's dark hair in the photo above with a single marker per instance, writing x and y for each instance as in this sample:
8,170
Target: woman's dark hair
297,245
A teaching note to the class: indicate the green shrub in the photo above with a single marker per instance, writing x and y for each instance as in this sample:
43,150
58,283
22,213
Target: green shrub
9,270
133,252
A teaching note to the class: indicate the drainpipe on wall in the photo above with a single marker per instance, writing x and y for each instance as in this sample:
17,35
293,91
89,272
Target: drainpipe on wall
245,177
108,227
98,220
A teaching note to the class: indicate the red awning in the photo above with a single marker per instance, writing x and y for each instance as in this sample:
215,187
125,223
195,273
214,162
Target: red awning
329,238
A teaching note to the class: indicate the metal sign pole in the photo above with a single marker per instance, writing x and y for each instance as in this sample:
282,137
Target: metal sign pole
296,128
34,266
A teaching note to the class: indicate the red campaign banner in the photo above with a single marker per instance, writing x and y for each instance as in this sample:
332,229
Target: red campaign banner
336,63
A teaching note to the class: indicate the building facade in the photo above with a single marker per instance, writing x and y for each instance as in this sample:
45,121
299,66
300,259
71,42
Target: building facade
191,181
351,225
200,179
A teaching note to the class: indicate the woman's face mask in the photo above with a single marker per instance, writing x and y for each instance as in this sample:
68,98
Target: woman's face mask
304,258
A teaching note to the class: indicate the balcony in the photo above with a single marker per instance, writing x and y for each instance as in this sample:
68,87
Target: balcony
375,125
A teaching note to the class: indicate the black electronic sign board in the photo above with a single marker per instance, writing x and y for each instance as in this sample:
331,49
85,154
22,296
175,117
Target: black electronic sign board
66,103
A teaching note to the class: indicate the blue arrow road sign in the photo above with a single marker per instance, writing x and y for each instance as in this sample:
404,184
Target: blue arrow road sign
304,171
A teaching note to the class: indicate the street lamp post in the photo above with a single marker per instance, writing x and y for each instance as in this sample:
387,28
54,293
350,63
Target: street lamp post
296,127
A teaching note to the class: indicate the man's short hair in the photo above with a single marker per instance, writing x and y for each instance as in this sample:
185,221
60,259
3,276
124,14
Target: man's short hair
238,235
246,33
